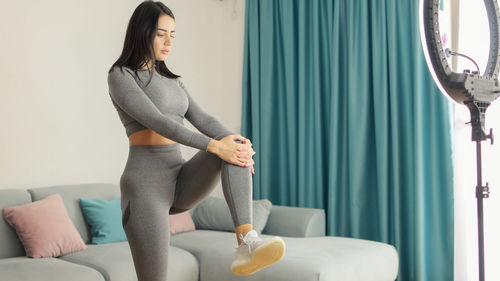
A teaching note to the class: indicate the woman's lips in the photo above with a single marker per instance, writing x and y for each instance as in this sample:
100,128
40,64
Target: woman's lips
165,52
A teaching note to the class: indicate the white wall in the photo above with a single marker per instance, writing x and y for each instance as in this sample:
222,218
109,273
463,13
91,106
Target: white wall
59,126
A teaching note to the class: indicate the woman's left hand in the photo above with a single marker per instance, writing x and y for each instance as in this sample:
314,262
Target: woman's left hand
247,153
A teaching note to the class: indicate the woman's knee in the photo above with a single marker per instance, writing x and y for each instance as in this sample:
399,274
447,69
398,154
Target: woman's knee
230,166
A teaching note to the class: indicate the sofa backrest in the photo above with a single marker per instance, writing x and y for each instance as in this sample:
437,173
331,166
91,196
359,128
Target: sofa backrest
71,195
10,245
296,222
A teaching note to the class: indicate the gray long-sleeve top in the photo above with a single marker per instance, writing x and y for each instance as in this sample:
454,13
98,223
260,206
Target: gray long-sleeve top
160,106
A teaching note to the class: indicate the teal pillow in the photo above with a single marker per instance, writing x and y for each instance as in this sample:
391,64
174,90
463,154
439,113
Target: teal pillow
213,213
105,220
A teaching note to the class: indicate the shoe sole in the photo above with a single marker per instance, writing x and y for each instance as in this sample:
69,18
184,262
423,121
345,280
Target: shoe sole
267,254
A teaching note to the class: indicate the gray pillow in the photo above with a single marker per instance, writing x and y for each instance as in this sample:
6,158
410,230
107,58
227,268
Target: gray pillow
213,213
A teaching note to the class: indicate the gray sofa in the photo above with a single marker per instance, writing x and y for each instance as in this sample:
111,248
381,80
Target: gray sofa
200,255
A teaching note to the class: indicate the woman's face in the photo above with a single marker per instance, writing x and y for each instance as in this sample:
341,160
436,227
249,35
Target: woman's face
165,33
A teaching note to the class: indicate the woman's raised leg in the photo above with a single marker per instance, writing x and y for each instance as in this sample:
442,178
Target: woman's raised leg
197,179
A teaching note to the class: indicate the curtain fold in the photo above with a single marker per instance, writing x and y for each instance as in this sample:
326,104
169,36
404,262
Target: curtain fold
344,116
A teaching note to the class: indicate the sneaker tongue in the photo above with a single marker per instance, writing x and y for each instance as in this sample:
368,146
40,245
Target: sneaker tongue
252,233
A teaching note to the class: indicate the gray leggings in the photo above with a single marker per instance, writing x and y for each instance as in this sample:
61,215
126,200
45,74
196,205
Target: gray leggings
157,181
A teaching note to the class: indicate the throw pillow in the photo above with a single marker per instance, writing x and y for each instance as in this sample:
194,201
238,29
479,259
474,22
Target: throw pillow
44,227
181,222
213,213
105,220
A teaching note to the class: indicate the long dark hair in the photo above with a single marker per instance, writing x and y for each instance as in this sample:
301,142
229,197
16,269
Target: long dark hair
139,39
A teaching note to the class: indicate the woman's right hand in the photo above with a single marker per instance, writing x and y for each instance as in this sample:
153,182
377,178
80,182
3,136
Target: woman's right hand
228,149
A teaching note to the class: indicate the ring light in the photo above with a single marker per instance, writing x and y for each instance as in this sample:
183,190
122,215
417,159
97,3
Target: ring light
472,89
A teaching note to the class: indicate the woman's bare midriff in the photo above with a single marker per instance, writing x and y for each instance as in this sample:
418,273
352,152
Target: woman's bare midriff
148,137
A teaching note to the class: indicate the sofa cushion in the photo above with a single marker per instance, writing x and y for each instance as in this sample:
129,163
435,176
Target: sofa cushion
114,261
213,213
296,222
325,258
105,220
71,195
44,227
181,222
45,269
10,245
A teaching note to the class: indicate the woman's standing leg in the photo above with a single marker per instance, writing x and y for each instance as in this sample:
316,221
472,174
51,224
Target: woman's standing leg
147,188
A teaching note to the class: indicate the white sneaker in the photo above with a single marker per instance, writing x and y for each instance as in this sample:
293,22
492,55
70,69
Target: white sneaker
254,253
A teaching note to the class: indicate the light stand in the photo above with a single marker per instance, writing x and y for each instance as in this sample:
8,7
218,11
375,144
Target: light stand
481,191
471,89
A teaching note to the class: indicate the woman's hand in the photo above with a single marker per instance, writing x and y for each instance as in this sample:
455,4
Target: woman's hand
229,150
249,152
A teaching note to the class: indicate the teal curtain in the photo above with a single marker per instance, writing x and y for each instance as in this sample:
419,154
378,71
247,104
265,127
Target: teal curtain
344,116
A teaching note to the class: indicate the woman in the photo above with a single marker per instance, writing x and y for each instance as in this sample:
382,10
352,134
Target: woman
156,180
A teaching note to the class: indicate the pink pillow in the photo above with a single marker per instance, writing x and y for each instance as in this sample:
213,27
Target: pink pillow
44,227
181,222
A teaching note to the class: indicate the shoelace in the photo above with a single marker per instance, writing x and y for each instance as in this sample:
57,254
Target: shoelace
249,241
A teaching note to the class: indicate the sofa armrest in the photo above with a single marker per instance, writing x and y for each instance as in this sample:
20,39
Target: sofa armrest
295,222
